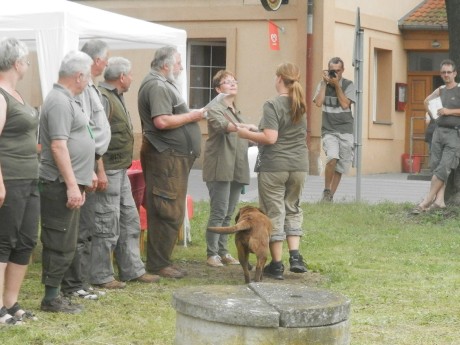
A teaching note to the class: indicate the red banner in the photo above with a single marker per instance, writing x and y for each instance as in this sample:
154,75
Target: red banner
273,36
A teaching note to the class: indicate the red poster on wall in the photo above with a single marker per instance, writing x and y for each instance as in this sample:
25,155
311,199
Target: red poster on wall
273,36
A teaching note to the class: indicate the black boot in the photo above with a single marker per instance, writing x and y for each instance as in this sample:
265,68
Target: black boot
297,265
274,270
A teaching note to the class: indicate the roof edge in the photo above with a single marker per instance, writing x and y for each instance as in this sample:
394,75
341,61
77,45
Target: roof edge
423,27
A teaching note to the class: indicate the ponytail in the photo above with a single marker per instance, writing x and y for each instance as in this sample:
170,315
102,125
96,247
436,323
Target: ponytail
290,75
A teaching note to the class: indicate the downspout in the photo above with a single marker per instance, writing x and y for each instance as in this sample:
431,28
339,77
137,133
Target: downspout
309,68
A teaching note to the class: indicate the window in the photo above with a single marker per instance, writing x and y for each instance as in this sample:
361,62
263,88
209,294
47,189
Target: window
382,88
426,61
205,59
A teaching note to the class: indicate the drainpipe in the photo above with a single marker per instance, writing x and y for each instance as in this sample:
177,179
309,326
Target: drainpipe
309,68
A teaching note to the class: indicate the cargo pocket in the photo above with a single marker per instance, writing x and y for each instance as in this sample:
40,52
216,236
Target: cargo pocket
57,233
164,200
106,221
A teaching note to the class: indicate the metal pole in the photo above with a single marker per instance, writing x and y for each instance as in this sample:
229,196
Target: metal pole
357,62
411,148
309,69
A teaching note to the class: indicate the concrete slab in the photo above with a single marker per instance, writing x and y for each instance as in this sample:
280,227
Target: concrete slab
302,306
235,305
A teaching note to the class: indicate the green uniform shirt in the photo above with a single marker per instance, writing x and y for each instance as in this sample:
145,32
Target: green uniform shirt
18,140
226,154
289,153
158,96
63,118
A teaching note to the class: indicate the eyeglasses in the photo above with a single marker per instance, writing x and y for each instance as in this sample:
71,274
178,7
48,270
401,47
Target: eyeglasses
447,72
335,70
229,82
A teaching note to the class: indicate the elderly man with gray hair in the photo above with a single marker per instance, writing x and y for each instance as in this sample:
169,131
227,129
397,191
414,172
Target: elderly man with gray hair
171,143
66,169
76,279
117,218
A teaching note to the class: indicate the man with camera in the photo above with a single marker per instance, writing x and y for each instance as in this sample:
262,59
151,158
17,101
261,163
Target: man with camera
335,95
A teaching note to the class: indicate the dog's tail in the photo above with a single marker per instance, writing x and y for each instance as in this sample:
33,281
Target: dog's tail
241,226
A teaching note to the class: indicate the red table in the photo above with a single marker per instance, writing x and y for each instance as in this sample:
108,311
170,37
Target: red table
136,177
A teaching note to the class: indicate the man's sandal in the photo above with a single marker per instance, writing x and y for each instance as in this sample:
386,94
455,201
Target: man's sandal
20,314
435,207
418,210
6,318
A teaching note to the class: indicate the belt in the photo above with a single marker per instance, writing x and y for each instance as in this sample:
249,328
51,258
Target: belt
451,127
456,128
45,181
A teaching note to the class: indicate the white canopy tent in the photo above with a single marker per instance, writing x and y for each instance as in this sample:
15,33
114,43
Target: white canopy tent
54,27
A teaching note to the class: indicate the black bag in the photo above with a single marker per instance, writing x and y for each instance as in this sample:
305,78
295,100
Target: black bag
430,130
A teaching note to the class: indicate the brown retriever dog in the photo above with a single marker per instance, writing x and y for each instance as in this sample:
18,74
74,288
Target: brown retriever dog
253,229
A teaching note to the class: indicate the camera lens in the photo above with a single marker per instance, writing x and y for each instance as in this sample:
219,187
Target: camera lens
332,74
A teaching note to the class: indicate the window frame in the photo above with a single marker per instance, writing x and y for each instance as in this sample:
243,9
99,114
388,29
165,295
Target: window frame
382,98
202,42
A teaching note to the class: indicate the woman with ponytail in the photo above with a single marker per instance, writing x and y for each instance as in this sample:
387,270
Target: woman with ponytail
282,167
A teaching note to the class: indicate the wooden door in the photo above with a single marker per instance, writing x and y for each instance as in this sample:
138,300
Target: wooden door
419,86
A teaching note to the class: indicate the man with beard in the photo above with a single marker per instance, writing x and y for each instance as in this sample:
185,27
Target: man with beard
171,143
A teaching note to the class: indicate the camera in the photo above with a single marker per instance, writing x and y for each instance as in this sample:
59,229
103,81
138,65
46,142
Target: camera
332,74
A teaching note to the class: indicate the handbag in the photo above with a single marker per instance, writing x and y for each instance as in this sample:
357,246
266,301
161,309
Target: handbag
430,130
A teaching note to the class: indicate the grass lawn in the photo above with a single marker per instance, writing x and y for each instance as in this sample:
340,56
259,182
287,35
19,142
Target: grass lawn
401,272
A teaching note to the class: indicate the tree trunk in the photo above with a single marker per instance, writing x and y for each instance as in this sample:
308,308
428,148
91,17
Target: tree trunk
452,195
453,26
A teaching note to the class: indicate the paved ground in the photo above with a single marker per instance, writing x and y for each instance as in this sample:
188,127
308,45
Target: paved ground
374,188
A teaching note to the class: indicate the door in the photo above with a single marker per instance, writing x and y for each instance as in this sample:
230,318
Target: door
419,86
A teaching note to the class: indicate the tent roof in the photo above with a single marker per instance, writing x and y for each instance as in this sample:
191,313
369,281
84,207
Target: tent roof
54,27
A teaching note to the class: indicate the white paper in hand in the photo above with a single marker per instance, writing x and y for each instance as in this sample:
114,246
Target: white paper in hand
433,106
